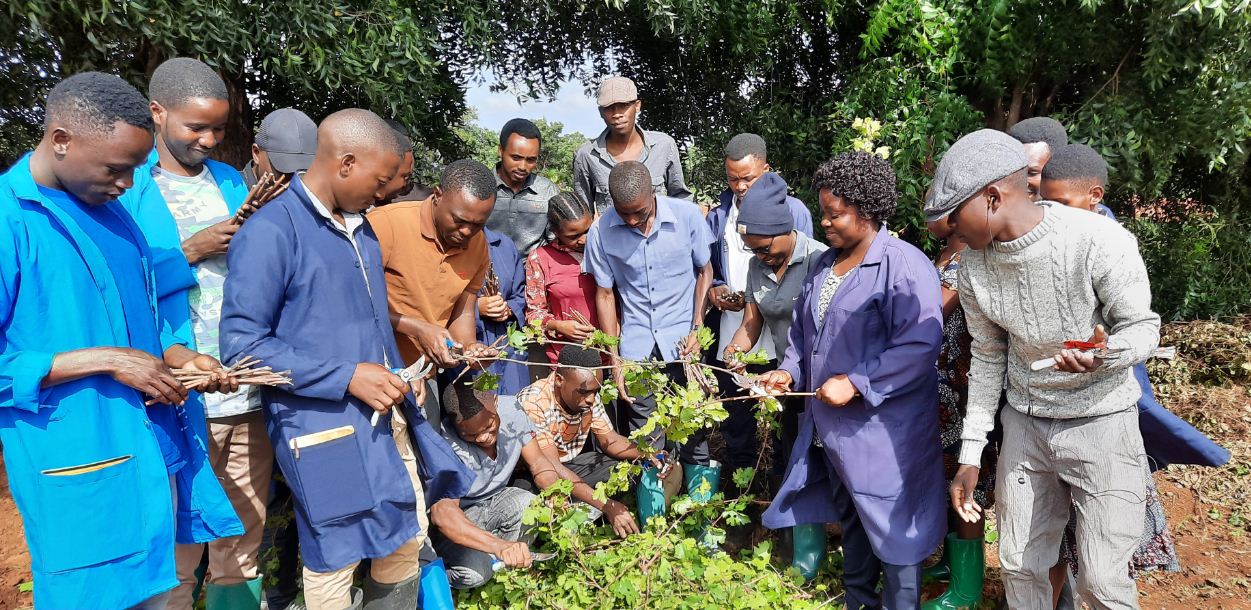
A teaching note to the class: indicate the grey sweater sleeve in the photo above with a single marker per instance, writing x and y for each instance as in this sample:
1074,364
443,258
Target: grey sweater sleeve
1124,292
987,369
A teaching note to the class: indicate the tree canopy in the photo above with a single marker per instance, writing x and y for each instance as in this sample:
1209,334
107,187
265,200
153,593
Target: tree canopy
1162,88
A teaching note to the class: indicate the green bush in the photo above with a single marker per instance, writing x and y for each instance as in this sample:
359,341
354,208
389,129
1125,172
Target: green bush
665,567
1200,266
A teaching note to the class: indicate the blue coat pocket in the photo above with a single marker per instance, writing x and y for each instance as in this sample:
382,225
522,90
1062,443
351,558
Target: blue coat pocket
89,514
330,473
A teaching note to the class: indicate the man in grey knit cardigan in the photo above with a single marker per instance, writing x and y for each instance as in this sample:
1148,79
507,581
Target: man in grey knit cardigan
1035,276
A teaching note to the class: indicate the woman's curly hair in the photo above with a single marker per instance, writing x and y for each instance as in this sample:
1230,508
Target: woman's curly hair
866,181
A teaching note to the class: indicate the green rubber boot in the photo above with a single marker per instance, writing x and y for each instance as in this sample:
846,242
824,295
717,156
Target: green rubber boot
398,596
651,494
968,568
941,571
243,596
808,548
695,477
200,571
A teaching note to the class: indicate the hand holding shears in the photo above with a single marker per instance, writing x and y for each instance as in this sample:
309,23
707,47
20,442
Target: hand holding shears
1080,356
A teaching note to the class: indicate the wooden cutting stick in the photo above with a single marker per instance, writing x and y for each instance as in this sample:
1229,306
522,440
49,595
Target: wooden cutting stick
579,318
246,371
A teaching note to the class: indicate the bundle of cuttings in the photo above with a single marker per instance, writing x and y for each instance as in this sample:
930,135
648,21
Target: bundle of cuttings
701,376
247,371
266,188
491,286
579,317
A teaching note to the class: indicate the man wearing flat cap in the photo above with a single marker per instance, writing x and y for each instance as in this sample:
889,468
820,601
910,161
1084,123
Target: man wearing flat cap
285,145
623,140
1035,276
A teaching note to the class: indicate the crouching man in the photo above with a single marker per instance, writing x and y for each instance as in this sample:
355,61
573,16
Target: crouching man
492,436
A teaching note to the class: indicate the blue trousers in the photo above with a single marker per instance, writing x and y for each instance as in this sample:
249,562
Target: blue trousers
862,570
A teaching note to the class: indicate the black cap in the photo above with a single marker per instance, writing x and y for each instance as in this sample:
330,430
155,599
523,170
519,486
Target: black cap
289,137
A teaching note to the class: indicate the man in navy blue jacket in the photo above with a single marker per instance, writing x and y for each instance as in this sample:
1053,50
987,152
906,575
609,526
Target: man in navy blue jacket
306,293
746,160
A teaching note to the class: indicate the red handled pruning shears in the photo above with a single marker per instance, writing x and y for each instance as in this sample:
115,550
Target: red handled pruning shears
1098,350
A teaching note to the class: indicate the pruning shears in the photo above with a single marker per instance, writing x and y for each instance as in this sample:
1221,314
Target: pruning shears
416,372
1099,350
498,564
456,352
666,464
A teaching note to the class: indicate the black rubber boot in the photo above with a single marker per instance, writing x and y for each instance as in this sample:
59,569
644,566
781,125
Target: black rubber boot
397,596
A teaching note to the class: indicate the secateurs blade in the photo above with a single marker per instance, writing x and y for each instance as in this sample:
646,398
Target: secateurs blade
416,372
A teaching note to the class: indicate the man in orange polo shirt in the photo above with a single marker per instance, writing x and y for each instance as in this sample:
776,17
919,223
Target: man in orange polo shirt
435,257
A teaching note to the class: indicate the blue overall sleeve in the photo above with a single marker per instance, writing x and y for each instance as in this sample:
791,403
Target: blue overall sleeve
21,371
914,316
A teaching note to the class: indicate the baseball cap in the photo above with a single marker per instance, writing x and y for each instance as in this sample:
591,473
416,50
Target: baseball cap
289,137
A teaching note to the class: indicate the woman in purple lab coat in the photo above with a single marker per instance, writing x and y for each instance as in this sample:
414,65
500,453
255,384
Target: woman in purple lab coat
865,337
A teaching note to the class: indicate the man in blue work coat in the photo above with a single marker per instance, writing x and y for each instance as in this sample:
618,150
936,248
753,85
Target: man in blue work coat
306,293
507,306
88,464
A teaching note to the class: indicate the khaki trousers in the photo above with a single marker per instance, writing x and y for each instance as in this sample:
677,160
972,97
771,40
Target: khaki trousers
243,460
333,590
1098,462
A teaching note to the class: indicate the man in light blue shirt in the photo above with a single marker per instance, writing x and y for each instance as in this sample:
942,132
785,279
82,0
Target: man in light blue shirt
654,251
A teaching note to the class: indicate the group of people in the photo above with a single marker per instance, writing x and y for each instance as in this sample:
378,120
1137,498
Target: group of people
128,254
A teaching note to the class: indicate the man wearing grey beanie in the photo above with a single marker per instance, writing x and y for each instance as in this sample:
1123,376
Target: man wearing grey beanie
1038,275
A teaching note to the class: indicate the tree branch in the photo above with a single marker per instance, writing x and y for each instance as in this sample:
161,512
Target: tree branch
1115,75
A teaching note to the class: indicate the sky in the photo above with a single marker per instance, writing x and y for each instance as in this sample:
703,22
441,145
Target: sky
572,107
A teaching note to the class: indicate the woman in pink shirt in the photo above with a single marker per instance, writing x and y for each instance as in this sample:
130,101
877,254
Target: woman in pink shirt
558,293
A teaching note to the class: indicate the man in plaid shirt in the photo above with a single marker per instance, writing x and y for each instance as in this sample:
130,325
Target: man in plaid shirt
566,409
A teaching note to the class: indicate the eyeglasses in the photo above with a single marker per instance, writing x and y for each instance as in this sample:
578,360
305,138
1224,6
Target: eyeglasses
765,249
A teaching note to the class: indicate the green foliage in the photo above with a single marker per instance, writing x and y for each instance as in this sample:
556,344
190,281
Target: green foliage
1199,267
1162,88
386,55
602,339
486,381
664,567
705,337
757,357
1153,88
1209,353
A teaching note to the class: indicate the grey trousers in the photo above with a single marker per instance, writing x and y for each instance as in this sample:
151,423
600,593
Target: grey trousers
1097,462
500,515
